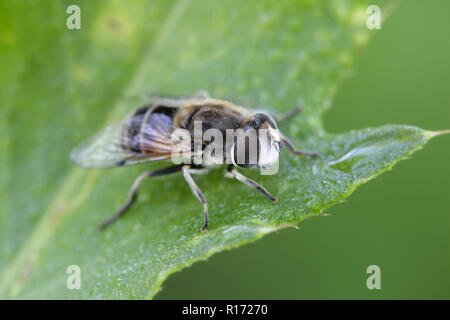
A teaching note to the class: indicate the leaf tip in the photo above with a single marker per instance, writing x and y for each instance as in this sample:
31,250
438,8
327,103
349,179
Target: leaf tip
432,134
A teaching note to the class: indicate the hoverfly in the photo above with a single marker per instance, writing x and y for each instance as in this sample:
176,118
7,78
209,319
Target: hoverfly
148,135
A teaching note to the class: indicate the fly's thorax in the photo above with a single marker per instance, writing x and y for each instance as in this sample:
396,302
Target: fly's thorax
227,134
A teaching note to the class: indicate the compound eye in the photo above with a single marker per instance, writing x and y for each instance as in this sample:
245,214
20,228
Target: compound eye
245,151
265,117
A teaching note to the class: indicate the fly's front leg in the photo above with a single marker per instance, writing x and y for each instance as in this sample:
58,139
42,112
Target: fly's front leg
134,191
296,152
286,141
252,184
289,114
198,193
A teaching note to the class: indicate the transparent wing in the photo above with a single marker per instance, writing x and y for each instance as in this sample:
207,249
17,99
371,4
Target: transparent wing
128,142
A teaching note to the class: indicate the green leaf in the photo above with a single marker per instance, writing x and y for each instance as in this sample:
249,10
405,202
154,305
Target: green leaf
59,86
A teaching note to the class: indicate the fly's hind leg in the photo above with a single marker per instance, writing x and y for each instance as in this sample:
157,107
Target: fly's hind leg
202,94
198,193
134,191
231,171
173,100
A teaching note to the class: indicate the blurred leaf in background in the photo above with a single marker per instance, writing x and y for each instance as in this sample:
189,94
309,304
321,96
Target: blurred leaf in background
59,86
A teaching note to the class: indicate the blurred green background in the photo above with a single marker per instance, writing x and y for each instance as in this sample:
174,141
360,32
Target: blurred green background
400,221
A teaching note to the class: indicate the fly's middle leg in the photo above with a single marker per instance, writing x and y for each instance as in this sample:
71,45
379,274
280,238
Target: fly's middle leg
198,193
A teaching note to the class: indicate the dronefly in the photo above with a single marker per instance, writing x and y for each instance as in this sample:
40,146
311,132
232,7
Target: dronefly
196,134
